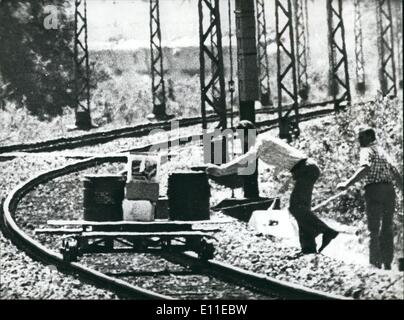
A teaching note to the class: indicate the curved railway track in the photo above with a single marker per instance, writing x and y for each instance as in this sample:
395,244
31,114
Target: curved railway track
259,285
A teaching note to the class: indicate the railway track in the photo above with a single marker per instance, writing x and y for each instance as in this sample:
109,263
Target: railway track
95,138
101,137
242,282
222,277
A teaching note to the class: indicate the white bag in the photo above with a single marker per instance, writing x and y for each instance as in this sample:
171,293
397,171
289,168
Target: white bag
276,223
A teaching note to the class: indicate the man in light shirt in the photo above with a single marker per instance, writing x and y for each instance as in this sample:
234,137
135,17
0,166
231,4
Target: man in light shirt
377,171
305,172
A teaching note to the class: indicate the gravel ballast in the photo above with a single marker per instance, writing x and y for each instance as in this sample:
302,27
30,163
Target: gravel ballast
21,277
237,244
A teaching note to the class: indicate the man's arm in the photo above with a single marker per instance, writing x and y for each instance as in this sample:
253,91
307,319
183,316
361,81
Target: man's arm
398,178
233,166
357,176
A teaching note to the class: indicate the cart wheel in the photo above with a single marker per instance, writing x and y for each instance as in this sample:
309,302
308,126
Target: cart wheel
206,249
70,250
166,245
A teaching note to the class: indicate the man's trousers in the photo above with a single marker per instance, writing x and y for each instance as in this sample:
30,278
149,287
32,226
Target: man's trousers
305,174
380,202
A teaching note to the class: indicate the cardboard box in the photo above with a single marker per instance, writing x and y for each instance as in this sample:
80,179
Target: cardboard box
142,190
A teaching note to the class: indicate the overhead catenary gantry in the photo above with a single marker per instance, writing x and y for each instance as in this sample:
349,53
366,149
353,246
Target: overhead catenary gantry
156,59
387,66
263,62
288,104
306,13
339,87
216,93
81,66
359,56
213,88
399,40
292,58
301,48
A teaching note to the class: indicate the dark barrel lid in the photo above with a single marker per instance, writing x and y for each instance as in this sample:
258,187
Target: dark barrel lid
188,173
100,177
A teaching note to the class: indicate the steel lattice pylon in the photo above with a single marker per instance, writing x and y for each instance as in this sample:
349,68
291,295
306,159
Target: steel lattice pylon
359,57
81,66
387,67
156,54
263,64
210,45
301,48
399,40
339,75
306,12
286,71
214,65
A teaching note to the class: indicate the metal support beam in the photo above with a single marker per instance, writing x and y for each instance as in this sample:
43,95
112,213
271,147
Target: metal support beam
263,63
247,78
399,40
301,48
248,84
213,90
339,75
81,66
359,57
387,66
157,70
286,71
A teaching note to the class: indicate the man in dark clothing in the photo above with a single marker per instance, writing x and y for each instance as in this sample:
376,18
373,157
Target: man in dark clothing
378,173
305,172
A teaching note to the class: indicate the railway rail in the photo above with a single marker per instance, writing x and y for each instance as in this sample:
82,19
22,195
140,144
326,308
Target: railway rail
260,286
139,130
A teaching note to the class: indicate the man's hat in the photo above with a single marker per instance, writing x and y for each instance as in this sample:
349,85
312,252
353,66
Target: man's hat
245,124
364,129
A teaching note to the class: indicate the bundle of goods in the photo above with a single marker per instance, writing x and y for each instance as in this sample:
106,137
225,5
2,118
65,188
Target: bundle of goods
142,187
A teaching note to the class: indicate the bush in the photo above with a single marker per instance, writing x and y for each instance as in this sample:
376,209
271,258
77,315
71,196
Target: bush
34,61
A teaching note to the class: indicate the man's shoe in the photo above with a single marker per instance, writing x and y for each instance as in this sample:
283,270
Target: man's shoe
160,117
387,266
328,236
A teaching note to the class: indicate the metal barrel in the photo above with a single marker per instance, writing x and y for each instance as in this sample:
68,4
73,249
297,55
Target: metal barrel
189,196
103,196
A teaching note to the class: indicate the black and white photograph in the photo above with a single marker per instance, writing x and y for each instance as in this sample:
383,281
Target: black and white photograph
203,154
